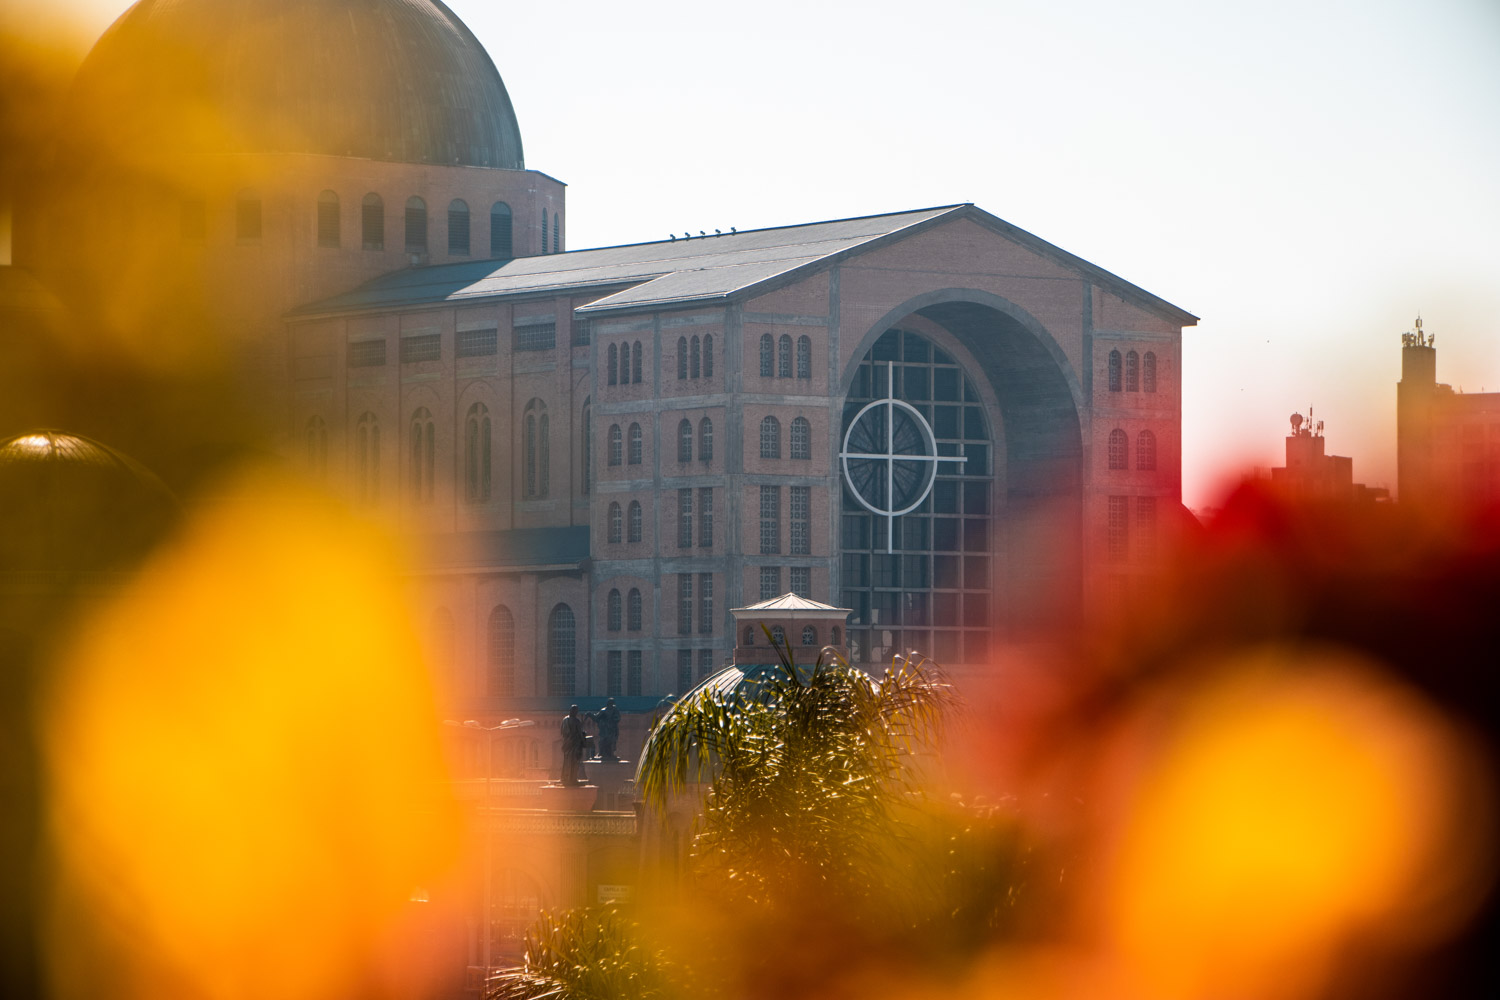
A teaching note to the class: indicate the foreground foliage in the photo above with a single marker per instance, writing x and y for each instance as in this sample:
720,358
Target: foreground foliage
593,953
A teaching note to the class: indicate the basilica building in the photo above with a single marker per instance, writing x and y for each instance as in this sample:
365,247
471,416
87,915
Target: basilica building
944,423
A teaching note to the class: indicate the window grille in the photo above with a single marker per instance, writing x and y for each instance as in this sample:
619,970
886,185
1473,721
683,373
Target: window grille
705,517
612,673
684,518
1119,528
1119,448
1148,374
372,222
367,354
684,670
556,232
614,444
614,611
477,343
802,581
633,525
500,230
635,363
801,520
770,520
1132,372
477,453
536,450
770,438
544,232
536,337
767,356
1145,451
705,603
684,441
633,610
501,653
328,219
424,347
705,663
705,440
614,362
804,357
1114,371
695,358
580,332
562,650
633,456
1145,526
770,582
809,636
708,356
684,603
682,358
422,456
458,228
801,439
625,363
616,522
416,225
633,673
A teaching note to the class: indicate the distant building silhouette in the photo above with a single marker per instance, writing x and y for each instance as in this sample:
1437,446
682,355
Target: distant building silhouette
1311,474
1447,443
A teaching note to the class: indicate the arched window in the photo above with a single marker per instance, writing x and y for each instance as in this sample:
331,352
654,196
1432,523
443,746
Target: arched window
458,227
685,441
247,216
633,610
588,446
682,358
833,635
614,361
614,612
695,358
1148,375
708,355
809,636
633,522
616,524
535,449
372,222
778,635
1132,372
625,363
705,440
1145,451
1119,446
500,673
784,356
633,452
614,444
420,475
317,447
635,363
801,438
500,230
767,356
328,219
477,454
544,232
416,225
1114,371
749,635
367,458
804,357
770,438
562,650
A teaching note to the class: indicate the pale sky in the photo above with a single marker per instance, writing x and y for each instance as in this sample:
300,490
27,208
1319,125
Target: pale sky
1305,176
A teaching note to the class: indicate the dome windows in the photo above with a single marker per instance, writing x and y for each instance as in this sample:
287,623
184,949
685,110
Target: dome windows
416,225
500,230
458,228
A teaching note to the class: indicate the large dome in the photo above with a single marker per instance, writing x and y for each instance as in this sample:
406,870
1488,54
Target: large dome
400,80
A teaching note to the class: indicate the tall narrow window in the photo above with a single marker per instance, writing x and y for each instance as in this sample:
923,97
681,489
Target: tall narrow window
614,361
705,663
695,358
684,603
372,222
556,232
708,355
1148,373
802,581
1119,528
706,603
535,449
633,522
804,357
316,434
633,673
770,438
562,650
625,363
784,356
1145,451
500,649
706,517
767,356
633,451
614,444
770,520
1145,528
613,673
247,216
770,582
328,219
614,611
801,520
1132,372
685,518
682,358
1114,371
588,446
367,458
616,524
477,454
423,461
458,227
801,438
416,225
633,610
684,669
544,232
635,363
1119,449
500,231
684,441
705,440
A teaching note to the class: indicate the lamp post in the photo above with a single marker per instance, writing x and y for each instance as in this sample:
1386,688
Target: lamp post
488,732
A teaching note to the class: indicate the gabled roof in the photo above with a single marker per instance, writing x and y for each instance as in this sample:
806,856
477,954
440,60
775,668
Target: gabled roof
788,603
703,269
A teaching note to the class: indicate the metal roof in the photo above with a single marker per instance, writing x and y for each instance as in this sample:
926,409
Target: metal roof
703,269
788,602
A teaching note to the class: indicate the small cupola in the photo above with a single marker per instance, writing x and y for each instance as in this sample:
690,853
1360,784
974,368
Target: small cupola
806,625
